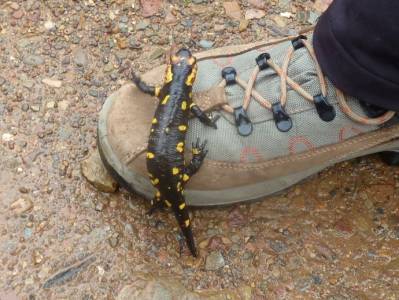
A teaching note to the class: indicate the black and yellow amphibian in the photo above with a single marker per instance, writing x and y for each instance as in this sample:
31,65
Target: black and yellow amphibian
165,153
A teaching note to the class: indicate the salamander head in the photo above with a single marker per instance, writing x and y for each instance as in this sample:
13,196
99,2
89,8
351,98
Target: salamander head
183,57
183,63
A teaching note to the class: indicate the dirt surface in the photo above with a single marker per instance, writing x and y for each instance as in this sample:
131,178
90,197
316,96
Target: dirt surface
333,237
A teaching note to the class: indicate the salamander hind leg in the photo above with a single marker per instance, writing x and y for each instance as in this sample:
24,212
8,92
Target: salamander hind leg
157,203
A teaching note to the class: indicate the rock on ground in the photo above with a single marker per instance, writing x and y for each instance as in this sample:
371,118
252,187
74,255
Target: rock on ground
148,287
214,261
95,172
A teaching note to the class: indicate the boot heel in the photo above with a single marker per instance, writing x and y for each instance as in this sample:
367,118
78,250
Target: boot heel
391,158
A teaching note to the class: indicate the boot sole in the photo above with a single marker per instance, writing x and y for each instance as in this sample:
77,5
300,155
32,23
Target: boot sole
136,183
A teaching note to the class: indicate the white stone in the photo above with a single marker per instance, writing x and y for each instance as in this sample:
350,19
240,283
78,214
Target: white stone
50,104
49,25
63,105
6,137
52,82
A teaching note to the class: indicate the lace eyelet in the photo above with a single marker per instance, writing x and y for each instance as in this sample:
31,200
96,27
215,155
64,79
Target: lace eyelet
297,43
324,109
281,118
229,74
243,123
261,61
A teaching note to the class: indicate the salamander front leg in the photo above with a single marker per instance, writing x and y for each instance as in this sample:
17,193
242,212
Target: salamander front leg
199,153
203,117
144,87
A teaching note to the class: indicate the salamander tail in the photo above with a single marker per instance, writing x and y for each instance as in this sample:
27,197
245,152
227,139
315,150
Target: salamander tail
183,218
188,235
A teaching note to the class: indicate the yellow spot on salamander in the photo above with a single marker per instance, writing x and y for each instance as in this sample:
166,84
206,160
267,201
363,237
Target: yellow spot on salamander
165,100
182,127
179,186
175,171
155,181
168,204
180,147
150,175
169,74
184,105
191,77
150,155
186,177
175,59
187,222
157,194
154,121
195,151
190,95
192,105
157,90
182,206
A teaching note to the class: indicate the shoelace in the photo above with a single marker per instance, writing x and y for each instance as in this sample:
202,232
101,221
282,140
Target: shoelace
283,121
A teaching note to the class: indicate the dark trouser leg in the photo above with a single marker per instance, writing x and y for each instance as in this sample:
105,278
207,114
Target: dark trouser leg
357,46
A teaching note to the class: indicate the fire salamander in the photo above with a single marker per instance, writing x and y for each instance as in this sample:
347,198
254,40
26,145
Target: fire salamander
167,169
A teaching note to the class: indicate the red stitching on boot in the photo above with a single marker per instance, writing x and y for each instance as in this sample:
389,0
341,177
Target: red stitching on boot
299,140
247,151
343,130
228,61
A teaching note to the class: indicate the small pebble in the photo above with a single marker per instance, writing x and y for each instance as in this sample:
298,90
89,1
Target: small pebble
33,60
37,257
7,137
93,93
35,108
52,82
205,44
21,206
114,240
80,58
49,25
27,233
214,261
157,53
142,25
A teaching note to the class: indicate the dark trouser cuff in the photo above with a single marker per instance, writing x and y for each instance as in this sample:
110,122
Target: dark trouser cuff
356,63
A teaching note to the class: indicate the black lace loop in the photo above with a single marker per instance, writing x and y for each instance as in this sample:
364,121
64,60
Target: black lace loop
243,123
261,61
297,43
229,74
281,117
325,110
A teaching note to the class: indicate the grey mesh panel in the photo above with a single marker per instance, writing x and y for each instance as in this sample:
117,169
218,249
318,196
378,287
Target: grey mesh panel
266,142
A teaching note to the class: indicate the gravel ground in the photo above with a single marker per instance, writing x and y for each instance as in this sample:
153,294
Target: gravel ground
332,237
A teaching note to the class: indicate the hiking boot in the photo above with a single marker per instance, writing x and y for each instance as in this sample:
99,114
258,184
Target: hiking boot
280,121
